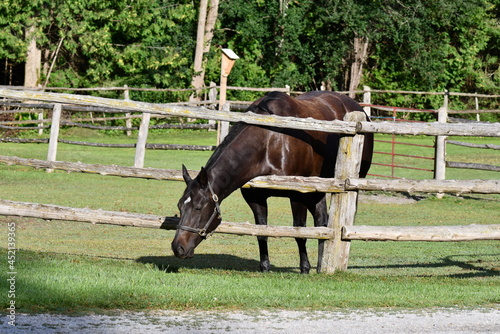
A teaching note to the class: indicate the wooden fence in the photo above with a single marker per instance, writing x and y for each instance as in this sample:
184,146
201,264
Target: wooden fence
438,158
344,187
141,146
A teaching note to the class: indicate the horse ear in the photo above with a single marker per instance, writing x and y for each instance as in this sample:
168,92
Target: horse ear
185,175
203,177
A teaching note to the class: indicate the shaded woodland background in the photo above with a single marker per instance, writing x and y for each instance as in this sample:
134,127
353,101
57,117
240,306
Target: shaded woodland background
413,45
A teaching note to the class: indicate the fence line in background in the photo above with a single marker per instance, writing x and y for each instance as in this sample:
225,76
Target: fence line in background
283,89
140,148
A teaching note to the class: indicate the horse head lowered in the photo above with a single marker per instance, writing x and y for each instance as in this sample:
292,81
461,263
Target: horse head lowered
200,214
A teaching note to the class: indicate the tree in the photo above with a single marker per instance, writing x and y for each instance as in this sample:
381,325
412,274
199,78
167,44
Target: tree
139,43
387,44
33,59
206,23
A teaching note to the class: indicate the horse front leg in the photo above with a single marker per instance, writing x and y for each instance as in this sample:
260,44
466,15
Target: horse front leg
258,205
299,211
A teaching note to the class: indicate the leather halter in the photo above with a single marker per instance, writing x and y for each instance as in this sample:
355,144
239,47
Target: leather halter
217,213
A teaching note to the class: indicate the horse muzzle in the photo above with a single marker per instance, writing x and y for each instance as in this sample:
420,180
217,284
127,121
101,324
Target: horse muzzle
184,244
182,252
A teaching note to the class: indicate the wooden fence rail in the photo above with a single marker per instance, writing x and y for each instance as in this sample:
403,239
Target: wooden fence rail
422,233
439,149
303,184
469,165
378,233
56,212
486,146
342,127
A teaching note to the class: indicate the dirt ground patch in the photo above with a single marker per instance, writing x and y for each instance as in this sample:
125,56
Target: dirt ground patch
386,321
395,198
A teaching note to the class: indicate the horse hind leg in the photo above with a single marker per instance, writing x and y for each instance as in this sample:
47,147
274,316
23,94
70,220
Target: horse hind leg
299,211
319,211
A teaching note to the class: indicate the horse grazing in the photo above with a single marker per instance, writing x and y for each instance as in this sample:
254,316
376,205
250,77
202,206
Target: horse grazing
249,151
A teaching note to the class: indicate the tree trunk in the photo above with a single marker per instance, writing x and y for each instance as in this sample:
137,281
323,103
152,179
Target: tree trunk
360,55
33,60
210,23
206,23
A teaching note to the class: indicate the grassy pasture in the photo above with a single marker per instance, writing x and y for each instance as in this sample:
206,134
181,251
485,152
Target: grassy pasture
75,267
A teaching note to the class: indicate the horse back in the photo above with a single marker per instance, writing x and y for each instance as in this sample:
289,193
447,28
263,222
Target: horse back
305,153
323,105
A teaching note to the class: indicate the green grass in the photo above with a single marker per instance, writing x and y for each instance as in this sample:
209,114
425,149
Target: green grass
71,283
75,267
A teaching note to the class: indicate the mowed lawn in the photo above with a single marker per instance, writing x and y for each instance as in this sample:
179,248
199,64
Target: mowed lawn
76,267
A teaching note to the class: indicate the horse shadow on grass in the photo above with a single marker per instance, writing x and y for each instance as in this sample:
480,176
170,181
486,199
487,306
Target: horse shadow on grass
172,264
472,268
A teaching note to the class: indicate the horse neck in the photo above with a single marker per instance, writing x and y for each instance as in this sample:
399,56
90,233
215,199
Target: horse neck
234,164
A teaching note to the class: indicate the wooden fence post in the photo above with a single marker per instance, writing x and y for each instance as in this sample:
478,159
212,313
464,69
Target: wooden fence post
128,121
140,148
476,100
367,99
54,134
343,205
40,118
227,62
440,150
212,97
223,125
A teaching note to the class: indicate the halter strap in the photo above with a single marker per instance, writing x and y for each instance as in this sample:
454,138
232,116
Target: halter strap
217,213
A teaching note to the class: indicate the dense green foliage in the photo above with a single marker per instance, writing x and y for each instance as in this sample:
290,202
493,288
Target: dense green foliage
415,45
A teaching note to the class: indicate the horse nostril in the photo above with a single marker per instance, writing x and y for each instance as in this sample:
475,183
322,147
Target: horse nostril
179,251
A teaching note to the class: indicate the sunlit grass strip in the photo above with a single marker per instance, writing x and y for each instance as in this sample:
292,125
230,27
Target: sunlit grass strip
68,283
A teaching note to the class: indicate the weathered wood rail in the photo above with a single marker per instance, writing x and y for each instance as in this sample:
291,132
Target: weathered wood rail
303,184
376,233
431,129
422,233
486,146
471,165
56,212
148,145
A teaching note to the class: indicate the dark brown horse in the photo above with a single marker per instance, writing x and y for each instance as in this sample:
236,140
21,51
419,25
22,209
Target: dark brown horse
250,151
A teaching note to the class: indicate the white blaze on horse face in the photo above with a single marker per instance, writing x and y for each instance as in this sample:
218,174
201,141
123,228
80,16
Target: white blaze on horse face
187,200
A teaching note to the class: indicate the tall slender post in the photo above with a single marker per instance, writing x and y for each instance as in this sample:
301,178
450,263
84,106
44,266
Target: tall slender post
440,149
40,118
367,99
212,97
227,62
54,134
224,126
128,121
476,100
140,148
343,205
222,105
